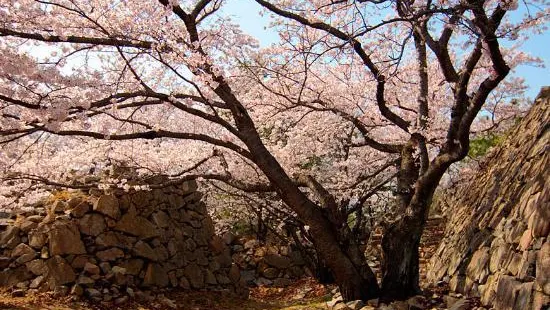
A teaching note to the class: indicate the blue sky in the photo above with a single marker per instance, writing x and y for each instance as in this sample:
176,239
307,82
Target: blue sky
246,13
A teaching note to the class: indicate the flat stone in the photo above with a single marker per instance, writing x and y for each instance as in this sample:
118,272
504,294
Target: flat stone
108,205
85,281
64,238
60,271
156,275
462,304
121,300
539,222
194,274
22,249
80,209
4,262
35,218
355,304
506,292
277,261
27,225
92,224
79,262
37,282
132,266
92,292
543,268
270,273
161,219
111,254
210,278
91,268
142,249
37,267
77,290
25,258
37,239
118,269
478,268
137,226
10,236
115,239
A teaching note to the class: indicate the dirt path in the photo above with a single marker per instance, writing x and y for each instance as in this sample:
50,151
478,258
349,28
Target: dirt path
305,294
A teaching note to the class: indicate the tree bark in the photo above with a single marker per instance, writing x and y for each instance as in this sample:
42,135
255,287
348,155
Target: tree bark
400,266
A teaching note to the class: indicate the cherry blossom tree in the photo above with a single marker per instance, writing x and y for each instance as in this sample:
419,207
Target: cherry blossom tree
359,96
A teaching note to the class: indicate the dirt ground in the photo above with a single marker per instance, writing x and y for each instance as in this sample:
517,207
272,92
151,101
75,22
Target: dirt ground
305,294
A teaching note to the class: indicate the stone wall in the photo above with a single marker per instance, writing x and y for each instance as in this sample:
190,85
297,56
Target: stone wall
496,243
266,264
107,246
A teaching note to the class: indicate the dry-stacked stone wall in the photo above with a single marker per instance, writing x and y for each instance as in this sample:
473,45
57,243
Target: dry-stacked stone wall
106,246
267,264
496,244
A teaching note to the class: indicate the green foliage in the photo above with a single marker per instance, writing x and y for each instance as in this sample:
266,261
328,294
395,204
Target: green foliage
481,145
242,228
312,161
266,131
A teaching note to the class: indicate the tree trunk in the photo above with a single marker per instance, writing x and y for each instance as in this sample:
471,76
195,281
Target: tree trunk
400,266
353,276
